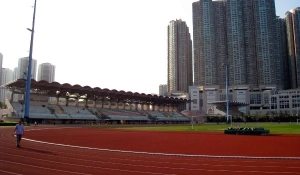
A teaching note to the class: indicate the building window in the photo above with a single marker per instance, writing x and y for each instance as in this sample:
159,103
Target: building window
195,101
255,98
284,104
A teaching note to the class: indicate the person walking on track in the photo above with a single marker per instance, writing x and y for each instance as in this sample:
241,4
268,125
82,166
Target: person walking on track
19,131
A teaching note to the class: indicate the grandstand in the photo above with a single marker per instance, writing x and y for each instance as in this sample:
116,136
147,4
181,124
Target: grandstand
76,104
177,116
79,113
36,112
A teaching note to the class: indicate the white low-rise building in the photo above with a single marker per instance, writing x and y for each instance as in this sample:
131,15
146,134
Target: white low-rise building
264,100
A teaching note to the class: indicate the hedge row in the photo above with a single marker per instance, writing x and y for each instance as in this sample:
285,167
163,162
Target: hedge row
7,124
247,131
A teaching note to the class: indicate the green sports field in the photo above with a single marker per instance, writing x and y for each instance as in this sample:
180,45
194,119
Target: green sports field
275,128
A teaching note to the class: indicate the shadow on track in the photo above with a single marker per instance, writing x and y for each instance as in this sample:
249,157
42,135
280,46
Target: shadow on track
37,150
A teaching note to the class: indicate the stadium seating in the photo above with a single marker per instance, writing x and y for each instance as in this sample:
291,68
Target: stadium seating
177,116
159,116
39,111
60,113
35,111
127,115
18,108
76,113
79,113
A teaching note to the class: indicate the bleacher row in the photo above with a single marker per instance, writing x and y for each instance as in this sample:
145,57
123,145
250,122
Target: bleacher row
56,112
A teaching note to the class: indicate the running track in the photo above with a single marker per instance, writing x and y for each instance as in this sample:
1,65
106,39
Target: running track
85,150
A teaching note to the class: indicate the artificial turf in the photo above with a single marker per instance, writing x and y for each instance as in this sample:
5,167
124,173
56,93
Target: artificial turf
275,128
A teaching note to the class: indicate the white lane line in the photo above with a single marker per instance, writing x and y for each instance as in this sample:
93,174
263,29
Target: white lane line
209,170
28,165
164,154
158,162
95,167
185,169
37,129
10,172
161,154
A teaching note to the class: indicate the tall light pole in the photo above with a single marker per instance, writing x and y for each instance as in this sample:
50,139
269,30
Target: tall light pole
270,102
227,93
274,100
296,103
28,82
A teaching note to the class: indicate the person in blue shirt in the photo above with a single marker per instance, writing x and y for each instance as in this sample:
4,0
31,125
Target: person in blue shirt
19,131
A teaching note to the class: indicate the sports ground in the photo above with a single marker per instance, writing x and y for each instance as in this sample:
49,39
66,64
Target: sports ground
84,150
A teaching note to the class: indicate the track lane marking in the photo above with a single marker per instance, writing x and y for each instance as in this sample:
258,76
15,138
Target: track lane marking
10,172
163,154
28,165
198,169
151,153
164,162
87,166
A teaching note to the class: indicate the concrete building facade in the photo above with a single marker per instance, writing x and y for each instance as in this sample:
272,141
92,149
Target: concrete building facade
6,77
238,33
46,71
22,69
264,100
283,76
293,41
204,38
163,90
180,71
1,62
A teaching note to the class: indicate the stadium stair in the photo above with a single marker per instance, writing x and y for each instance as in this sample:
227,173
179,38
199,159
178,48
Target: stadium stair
97,115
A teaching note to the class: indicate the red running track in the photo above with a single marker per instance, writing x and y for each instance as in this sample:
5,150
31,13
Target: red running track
85,150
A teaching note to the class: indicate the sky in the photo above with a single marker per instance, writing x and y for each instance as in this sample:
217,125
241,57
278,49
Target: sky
115,44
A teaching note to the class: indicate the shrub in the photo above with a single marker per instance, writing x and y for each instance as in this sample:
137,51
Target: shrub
8,124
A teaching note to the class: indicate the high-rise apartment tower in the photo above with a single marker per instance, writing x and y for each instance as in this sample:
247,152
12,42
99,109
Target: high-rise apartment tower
238,33
180,71
6,77
46,72
22,70
293,40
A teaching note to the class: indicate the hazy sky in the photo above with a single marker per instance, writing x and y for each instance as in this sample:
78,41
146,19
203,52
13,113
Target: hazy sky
114,44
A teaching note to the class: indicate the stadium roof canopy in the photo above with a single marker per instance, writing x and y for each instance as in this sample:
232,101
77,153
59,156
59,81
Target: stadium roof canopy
65,90
233,106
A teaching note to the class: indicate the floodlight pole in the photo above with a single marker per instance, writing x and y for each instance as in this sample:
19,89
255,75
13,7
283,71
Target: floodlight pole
28,82
192,122
275,101
227,94
297,102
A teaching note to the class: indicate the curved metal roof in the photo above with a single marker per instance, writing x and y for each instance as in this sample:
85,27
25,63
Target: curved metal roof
96,92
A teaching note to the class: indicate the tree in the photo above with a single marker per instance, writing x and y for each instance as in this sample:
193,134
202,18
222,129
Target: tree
3,105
